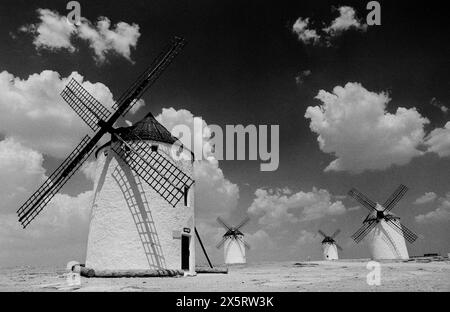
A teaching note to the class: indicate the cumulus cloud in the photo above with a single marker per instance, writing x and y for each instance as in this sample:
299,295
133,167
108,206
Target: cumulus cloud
440,214
304,33
137,106
89,170
214,194
33,113
353,124
54,32
306,237
346,20
63,223
277,207
438,141
259,240
428,197
58,235
20,170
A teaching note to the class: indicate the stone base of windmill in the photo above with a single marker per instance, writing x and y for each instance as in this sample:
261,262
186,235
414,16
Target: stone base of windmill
91,273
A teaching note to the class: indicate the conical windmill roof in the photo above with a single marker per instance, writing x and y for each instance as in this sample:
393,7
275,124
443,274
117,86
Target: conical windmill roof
328,240
147,129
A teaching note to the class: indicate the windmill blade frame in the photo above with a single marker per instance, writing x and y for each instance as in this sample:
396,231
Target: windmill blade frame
322,233
359,235
224,239
151,74
247,245
395,197
362,199
84,104
336,233
150,166
243,222
43,195
338,247
223,223
409,235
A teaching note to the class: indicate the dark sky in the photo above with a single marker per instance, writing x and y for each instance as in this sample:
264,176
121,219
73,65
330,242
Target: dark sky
239,67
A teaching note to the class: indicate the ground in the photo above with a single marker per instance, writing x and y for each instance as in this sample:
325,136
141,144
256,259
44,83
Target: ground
342,275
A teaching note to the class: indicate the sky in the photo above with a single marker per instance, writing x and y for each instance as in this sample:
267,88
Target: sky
357,105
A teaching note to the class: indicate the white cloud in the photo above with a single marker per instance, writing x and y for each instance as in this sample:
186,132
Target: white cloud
438,141
59,233
103,40
215,195
304,34
137,106
440,214
259,240
54,32
20,170
306,238
63,223
428,197
33,113
352,123
277,207
89,169
346,20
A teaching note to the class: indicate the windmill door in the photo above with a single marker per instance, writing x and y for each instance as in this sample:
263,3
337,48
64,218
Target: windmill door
185,240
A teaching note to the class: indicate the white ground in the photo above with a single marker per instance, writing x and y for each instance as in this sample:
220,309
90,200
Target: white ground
341,275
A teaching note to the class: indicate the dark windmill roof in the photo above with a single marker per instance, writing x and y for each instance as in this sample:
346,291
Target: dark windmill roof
328,240
233,232
373,216
147,129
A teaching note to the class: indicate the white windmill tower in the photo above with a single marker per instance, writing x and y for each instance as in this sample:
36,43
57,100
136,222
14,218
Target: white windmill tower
134,225
233,243
382,229
329,246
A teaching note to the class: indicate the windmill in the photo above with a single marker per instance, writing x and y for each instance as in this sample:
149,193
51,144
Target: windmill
233,242
133,224
385,234
329,245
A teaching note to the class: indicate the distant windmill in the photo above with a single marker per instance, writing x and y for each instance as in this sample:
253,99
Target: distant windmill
385,234
133,225
329,246
233,242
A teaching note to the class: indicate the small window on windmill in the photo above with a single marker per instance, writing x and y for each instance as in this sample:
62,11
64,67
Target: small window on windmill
105,153
186,196
154,148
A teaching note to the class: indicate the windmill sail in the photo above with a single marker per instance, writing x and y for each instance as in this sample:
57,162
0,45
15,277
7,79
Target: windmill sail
364,230
403,230
162,175
84,104
94,114
395,197
34,205
149,76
